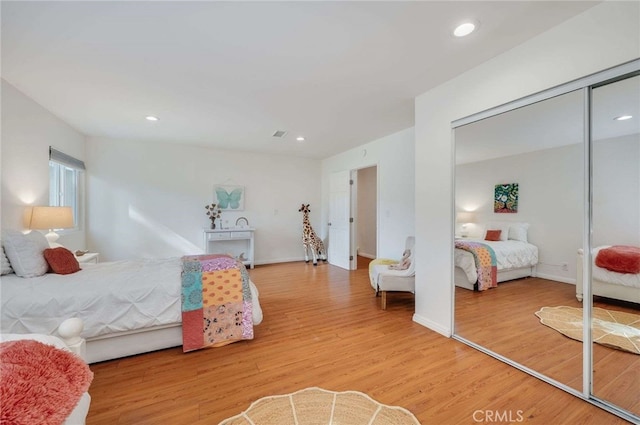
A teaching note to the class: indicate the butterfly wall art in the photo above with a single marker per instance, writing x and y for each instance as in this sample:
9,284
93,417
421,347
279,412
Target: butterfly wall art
229,198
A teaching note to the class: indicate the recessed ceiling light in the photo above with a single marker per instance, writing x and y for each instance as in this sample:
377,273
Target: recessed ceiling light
464,29
151,118
623,117
300,139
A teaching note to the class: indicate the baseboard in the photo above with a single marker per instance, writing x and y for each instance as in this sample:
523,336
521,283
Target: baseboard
365,255
281,260
443,330
557,278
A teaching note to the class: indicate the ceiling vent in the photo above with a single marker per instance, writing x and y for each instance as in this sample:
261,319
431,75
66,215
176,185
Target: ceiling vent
279,133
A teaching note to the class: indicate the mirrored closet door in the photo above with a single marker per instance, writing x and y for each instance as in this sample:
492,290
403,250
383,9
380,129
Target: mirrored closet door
539,148
558,171
615,153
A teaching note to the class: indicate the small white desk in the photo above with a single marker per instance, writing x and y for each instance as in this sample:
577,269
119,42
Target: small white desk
234,242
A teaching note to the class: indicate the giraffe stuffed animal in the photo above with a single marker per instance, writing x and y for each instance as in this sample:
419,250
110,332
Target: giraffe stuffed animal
311,241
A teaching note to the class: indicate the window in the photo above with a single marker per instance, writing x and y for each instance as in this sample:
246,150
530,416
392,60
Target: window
65,183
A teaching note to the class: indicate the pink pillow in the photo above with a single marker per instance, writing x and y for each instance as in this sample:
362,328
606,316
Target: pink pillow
61,260
620,259
493,235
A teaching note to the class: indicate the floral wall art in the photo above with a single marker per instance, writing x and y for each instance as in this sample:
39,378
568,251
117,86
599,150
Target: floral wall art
506,198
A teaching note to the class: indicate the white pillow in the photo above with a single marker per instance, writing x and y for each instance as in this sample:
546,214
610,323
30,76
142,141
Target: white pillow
25,252
6,265
502,226
518,231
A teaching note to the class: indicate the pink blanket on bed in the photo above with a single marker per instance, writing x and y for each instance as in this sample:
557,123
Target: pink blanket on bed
486,264
216,302
41,384
620,259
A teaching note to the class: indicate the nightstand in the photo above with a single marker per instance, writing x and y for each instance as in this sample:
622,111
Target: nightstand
89,257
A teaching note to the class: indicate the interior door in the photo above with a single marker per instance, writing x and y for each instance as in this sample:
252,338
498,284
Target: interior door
339,214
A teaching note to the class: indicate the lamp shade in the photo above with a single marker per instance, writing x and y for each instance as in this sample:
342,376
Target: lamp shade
51,218
465,217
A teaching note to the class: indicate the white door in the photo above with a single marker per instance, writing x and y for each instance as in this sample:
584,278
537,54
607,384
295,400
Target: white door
339,208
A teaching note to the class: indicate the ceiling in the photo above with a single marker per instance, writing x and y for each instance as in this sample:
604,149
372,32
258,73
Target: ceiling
554,122
229,74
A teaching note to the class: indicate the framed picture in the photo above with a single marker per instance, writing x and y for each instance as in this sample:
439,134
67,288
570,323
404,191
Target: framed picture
506,198
229,198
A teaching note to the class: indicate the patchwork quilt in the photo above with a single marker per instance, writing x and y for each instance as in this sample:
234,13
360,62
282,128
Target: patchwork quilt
216,302
486,264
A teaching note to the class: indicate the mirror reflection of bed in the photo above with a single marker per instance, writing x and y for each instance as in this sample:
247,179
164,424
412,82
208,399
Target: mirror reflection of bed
540,147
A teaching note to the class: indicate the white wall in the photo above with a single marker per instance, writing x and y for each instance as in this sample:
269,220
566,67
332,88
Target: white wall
394,157
27,132
616,191
147,200
367,211
602,37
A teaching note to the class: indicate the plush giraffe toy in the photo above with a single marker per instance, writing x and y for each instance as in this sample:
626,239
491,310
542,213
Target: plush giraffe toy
311,241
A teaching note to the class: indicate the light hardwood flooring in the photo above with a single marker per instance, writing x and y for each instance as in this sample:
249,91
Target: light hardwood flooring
323,327
503,320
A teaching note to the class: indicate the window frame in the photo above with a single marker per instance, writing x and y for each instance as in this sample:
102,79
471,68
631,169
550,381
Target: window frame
59,172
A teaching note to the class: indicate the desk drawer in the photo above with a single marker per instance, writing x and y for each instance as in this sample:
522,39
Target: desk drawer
240,235
218,236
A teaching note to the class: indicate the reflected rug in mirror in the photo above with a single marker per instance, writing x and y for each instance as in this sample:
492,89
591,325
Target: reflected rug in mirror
321,407
611,328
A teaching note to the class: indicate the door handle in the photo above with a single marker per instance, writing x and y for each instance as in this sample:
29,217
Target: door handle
329,223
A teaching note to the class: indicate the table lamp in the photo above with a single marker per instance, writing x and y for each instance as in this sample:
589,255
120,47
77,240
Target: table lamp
51,218
465,217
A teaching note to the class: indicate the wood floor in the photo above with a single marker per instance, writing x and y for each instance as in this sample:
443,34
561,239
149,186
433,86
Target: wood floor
503,320
323,327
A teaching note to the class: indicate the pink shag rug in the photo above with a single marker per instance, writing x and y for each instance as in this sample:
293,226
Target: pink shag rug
41,384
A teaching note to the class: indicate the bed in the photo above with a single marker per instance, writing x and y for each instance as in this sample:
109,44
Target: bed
128,307
607,283
515,256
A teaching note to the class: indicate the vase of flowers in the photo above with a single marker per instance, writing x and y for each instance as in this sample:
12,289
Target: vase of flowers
213,212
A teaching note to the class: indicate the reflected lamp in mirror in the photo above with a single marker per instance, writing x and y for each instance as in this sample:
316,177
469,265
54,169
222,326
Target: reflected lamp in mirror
51,218
465,218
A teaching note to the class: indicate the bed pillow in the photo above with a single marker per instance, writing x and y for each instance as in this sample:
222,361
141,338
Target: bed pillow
61,260
518,231
25,252
493,235
503,227
6,265
619,259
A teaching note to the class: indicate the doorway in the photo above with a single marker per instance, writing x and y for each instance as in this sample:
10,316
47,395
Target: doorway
353,217
365,197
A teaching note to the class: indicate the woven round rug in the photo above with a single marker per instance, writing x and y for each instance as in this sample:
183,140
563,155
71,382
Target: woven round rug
615,329
315,406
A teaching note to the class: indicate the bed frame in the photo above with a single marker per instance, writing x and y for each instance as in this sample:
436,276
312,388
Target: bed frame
604,289
122,344
460,277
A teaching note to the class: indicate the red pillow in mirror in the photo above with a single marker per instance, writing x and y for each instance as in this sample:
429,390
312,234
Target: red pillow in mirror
493,235
61,260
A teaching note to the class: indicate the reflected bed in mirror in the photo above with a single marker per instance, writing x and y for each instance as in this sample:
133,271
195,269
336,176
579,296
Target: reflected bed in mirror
515,257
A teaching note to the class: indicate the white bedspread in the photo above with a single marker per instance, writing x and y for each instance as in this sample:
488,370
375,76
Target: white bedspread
109,297
509,255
